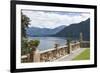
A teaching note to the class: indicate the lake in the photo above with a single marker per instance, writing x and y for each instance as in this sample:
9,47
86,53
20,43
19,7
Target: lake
49,42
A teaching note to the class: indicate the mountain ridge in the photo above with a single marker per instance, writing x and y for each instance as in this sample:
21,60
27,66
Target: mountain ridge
73,31
35,31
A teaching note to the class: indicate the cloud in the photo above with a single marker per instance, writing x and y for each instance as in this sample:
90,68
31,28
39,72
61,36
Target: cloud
48,19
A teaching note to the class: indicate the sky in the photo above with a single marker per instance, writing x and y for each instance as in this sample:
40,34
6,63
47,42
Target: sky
53,19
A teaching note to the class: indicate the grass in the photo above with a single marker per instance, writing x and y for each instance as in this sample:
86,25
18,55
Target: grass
85,55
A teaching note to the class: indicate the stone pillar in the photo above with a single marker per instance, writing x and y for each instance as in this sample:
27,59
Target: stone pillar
31,56
56,47
81,39
34,55
69,47
66,48
28,57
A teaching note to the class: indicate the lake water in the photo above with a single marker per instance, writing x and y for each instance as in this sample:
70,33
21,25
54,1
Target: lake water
49,42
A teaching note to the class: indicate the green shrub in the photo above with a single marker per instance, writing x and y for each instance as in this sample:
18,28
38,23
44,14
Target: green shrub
26,46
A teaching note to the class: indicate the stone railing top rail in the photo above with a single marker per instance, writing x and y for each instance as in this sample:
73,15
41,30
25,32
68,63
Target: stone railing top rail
24,56
59,47
85,41
75,43
53,49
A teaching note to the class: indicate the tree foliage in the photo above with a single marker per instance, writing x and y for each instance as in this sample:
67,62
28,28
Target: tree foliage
24,24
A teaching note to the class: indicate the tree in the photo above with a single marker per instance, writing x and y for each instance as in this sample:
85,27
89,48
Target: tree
26,46
24,24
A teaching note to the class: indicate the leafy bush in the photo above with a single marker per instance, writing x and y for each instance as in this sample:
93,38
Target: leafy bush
28,46
33,43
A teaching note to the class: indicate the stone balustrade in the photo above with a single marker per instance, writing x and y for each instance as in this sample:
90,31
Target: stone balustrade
52,54
57,52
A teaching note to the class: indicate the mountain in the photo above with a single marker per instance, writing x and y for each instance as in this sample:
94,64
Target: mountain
35,31
74,30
